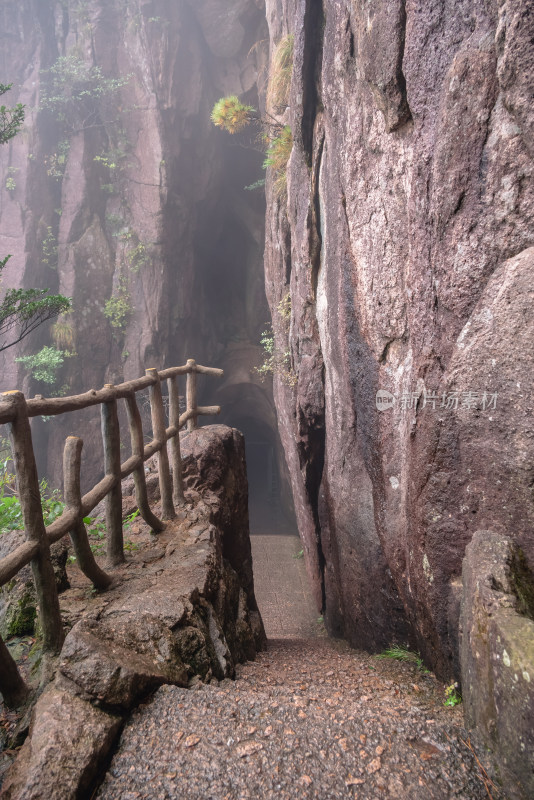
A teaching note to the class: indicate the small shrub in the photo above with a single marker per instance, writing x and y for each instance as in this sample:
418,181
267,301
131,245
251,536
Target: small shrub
275,362
278,152
284,307
119,307
137,257
280,74
452,696
230,114
43,366
256,185
10,510
56,162
49,249
73,91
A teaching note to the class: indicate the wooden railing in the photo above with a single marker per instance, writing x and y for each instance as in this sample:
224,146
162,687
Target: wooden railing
16,411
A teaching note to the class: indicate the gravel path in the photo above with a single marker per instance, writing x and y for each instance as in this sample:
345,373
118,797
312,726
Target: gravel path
307,719
310,719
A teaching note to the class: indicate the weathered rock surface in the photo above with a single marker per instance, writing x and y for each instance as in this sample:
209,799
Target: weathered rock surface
497,654
68,744
405,242
167,231
187,615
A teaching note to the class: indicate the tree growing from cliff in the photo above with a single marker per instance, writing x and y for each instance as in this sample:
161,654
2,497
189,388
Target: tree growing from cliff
230,114
11,119
22,310
77,94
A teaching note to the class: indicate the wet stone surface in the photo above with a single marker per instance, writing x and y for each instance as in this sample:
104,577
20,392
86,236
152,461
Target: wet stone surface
307,719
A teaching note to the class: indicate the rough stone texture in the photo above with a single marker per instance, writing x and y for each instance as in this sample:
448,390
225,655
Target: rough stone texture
497,654
405,242
18,601
309,719
185,615
62,724
195,285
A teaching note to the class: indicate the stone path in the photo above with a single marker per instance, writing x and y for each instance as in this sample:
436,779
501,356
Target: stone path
310,718
282,588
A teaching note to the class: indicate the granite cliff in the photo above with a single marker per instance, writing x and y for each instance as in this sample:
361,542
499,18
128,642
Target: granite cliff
398,256
405,244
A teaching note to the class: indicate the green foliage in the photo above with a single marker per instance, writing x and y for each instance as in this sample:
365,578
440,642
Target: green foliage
57,162
399,653
280,74
43,366
113,159
119,307
10,184
74,92
284,307
10,510
230,114
11,119
256,185
97,531
278,152
23,310
49,249
137,257
452,696
275,361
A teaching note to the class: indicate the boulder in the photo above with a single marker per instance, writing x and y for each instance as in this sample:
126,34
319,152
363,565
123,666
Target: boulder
68,743
497,654
187,616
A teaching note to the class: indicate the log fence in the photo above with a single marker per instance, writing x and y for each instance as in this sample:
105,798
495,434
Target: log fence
16,411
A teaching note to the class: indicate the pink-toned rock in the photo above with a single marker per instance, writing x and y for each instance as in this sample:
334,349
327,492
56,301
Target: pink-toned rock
405,243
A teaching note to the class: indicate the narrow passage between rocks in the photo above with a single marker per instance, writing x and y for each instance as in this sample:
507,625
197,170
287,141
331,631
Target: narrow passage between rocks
310,718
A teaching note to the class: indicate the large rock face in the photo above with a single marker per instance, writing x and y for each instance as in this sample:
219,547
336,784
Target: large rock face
404,243
134,207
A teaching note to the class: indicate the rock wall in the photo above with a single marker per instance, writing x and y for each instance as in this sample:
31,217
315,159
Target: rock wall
132,203
405,244
402,244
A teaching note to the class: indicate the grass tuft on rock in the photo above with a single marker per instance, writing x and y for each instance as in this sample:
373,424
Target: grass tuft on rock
280,75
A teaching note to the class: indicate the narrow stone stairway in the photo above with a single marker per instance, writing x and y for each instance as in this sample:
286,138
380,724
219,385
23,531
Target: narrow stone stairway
310,718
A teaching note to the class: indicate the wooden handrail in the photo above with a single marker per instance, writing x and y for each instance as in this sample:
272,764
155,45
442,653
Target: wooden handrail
16,411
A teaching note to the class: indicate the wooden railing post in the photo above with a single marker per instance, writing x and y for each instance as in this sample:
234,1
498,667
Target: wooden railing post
191,393
174,421
14,690
32,516
136,437
72,457
159,430
112,464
